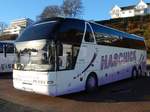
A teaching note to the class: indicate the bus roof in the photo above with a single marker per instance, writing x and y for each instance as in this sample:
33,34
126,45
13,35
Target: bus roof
105,28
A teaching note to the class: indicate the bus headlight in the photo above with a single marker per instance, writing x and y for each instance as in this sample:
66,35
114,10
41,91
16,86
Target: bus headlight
18,66
50,82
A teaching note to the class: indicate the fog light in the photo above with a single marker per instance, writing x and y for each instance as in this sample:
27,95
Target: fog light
50,82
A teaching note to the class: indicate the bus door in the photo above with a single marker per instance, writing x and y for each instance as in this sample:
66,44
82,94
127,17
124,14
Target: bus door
70,36
89,51
67,56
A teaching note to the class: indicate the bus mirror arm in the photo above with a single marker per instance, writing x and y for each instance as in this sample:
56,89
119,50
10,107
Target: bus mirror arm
5,54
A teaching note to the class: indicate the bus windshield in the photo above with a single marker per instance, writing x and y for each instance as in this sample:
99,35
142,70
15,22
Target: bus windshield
38,31
37,55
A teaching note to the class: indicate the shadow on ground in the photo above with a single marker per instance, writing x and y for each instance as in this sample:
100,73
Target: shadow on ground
129,90
9,107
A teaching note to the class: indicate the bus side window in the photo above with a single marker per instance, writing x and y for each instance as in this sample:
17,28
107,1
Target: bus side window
9,48
1,48
70,35
65,56
89,35
59,53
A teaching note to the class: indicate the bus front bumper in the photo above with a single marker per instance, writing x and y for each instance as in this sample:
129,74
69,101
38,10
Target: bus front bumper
37,82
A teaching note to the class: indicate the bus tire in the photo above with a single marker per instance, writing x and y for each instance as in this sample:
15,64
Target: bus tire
91,83
134,73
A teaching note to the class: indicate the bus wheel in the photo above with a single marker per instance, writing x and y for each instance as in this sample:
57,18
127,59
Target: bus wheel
91,83
134,73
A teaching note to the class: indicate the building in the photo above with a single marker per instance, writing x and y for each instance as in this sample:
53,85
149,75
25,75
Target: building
17,26
141,8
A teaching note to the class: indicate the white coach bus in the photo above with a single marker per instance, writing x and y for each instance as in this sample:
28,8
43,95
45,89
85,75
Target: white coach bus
60,55
7,56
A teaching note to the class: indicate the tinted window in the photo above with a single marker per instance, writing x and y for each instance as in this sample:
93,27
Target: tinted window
88,36
67,56
1,48
71,32
113,38
69,39
9,48
135,44
38,31
106,39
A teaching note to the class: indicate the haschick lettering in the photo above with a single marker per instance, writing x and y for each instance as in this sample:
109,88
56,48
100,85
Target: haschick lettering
116,59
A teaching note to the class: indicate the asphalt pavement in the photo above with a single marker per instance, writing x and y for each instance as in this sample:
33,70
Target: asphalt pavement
131,95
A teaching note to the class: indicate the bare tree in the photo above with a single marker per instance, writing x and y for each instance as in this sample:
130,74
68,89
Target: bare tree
2,26
69,8
72,8
51,11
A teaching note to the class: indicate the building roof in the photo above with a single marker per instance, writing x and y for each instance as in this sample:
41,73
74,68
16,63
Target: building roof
131,7
128,7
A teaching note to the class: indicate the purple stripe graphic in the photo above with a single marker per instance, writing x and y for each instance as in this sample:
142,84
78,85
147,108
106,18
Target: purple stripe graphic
93,59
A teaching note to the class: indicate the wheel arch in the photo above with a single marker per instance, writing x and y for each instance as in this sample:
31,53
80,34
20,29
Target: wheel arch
93,74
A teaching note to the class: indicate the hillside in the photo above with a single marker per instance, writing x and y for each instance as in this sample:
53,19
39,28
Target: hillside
8,37
139,25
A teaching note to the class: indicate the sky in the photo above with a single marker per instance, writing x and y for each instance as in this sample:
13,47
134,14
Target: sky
92,9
